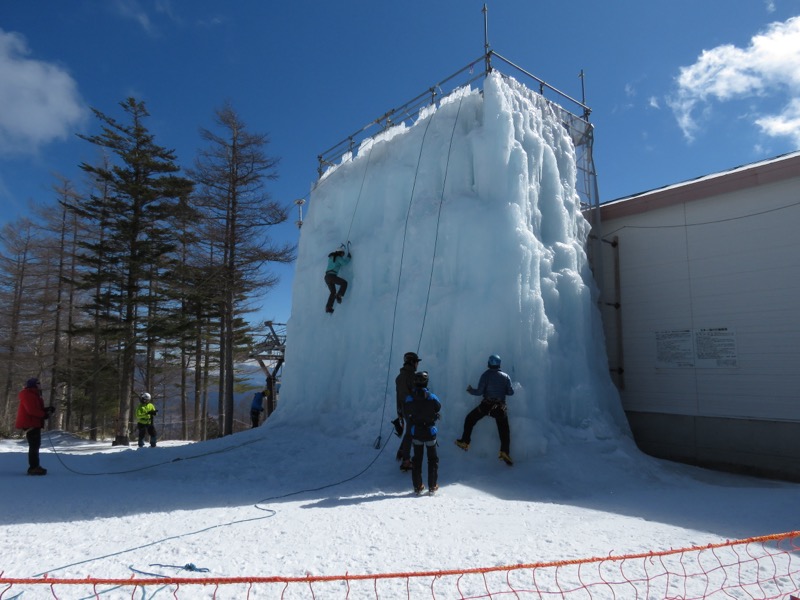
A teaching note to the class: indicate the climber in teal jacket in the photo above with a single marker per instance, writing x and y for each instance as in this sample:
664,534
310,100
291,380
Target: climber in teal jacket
336,260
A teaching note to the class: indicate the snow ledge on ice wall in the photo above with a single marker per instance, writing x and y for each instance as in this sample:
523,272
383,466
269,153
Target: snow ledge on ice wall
467,240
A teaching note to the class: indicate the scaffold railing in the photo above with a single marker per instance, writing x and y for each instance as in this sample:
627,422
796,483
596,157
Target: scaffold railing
575,119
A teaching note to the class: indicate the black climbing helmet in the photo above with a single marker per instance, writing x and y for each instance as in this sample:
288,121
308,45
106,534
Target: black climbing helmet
421,379
494,361
411,357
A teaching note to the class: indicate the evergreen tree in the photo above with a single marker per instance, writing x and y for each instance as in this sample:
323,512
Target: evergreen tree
143,190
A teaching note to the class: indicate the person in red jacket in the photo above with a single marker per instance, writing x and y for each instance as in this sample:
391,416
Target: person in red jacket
31,415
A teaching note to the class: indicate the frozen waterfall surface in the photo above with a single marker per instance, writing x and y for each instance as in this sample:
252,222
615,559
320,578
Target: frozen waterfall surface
467,240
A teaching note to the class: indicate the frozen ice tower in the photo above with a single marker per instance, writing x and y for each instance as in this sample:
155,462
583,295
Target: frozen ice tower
467,240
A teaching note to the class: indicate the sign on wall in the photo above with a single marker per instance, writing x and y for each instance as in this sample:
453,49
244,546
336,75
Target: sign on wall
674,349
715,347
706,348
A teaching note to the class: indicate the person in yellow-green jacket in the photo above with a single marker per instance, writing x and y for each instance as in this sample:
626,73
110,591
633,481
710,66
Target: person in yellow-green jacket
145,413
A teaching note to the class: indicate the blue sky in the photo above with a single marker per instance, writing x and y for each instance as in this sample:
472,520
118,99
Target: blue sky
678,89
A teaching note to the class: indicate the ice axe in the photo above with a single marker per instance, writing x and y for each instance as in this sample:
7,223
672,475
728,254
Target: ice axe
398,427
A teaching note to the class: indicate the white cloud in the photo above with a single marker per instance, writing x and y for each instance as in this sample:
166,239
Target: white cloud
165,7
787,123
131,9
768,67
630,91
134,11
40,100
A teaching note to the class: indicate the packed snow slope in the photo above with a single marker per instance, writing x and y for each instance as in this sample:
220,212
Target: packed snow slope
467,240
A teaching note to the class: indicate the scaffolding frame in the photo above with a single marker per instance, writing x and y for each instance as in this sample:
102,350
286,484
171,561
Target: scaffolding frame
575,121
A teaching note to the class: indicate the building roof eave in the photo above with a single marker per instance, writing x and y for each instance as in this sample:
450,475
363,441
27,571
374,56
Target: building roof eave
764,172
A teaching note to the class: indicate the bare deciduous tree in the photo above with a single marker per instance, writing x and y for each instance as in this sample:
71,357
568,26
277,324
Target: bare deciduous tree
231,173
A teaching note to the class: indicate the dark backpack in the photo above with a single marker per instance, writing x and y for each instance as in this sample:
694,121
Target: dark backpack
423,411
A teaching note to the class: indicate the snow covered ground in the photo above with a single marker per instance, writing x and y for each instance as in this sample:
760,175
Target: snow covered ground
281,501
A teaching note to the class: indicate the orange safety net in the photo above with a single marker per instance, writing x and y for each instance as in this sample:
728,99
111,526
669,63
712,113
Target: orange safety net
766,567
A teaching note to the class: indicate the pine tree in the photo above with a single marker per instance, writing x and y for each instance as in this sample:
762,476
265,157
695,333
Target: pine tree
143,190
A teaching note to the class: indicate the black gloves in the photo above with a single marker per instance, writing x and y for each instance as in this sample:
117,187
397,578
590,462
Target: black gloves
152,413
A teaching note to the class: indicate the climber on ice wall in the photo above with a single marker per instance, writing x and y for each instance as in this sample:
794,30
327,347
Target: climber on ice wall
336,260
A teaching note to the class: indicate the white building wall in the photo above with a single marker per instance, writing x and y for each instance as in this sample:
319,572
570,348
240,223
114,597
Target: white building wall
730,260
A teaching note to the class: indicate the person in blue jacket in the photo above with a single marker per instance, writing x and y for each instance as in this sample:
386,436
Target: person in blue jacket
256,408
421,412
493,387
336,260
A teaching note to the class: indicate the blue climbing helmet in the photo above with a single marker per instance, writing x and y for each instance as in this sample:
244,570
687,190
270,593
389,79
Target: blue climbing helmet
494,361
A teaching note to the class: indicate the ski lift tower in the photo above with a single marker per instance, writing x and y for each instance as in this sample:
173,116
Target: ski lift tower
270,355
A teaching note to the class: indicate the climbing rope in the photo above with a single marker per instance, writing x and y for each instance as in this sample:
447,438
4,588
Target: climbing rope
272,513
378,441
438,221
360,189
154,465
257,505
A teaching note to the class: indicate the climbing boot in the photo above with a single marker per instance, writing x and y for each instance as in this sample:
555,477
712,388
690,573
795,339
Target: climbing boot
506,459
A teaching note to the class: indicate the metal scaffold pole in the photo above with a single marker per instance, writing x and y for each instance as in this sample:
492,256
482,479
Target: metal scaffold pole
486,52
